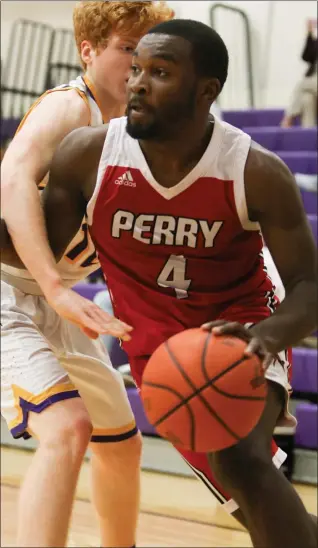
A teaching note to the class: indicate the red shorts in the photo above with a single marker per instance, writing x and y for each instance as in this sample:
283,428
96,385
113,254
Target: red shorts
198,462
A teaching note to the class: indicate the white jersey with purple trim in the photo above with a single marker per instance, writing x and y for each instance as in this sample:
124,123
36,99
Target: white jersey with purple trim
80,258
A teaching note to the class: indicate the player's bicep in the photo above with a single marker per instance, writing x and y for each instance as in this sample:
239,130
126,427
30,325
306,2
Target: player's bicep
292,249
274,201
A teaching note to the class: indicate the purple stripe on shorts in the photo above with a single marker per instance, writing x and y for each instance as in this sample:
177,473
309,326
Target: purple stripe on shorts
26,406
116,437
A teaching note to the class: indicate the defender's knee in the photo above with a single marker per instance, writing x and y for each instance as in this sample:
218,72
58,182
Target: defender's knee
64,426
126,453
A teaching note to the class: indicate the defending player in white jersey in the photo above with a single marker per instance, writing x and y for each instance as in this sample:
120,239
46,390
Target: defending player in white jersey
57,384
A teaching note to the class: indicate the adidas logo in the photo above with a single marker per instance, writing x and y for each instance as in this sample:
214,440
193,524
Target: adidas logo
126,180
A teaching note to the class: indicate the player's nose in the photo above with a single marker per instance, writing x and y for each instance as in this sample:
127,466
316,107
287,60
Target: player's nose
139,84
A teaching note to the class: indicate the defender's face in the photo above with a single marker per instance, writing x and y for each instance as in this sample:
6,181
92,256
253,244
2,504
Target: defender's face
111,66
162,86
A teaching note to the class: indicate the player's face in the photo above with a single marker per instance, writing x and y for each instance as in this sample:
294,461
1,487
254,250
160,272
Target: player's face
162,87
111,67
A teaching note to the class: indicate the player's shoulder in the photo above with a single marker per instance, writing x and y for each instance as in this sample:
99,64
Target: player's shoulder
267,179
65,107
265,164
64,97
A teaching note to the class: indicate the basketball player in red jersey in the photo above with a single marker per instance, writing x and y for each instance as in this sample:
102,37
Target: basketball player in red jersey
175,202
46,362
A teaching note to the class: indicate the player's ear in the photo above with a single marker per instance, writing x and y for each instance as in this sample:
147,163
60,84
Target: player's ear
87,52
211,89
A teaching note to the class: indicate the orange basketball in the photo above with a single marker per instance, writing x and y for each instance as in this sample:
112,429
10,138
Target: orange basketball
201,393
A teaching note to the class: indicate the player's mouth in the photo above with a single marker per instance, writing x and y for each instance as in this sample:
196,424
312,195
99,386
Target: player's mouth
137,109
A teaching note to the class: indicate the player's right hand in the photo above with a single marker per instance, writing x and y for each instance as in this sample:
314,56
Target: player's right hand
254,344
91,319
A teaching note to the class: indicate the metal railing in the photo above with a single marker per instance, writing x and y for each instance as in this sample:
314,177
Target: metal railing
64,62
39,58
23,74
218,7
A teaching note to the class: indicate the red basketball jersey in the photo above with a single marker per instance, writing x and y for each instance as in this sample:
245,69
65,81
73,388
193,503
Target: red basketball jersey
176,258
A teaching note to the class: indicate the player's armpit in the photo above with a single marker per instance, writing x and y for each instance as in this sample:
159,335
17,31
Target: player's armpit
274,201
9,255
71,184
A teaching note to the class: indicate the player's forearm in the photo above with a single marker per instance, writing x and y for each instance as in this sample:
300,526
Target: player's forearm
294,319
22,212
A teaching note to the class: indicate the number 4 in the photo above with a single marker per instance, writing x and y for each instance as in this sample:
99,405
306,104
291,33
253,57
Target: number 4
175,269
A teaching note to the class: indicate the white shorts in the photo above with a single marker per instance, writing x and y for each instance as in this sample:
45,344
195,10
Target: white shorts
45,359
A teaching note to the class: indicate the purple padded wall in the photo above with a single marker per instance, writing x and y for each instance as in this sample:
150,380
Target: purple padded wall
310,201
285,139
305,370
140,417
89,290
300,162
313,224
253,117
307,428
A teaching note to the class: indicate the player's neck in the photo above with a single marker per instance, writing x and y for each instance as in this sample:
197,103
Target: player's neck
109,107
177,156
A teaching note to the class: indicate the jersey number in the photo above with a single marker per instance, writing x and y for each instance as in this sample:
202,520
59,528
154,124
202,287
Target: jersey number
173,275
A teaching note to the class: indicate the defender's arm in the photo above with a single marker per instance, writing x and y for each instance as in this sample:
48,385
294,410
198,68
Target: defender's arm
24,166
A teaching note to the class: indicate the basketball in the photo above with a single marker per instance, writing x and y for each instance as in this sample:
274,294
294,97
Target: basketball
201,393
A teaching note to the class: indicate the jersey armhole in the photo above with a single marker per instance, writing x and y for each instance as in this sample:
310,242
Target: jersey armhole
239,184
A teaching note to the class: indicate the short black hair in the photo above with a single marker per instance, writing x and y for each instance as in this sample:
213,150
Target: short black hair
210,55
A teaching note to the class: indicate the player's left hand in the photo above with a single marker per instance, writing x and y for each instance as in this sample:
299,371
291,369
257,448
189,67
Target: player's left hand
254,344
89,317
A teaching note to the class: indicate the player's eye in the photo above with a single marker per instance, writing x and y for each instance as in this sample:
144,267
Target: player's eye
128,49
160,72
135,70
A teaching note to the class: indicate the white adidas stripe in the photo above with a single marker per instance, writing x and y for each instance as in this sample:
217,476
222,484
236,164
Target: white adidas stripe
207,482
230,505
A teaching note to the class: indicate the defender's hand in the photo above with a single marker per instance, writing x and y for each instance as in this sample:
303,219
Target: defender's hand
91,319
254,344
